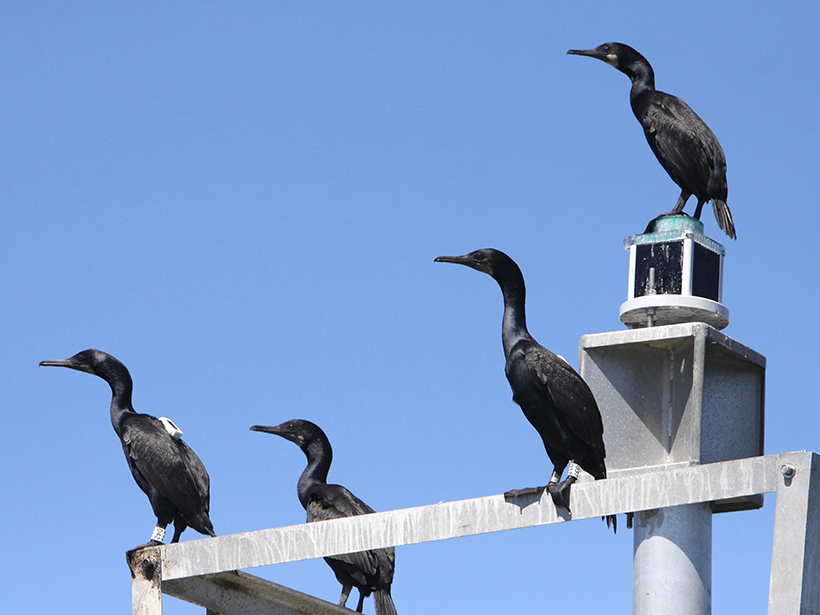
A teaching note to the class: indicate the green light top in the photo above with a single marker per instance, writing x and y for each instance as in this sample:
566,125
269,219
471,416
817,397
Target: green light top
675,227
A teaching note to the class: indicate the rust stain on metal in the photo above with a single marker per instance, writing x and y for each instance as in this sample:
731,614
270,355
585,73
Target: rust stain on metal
231,583
145,564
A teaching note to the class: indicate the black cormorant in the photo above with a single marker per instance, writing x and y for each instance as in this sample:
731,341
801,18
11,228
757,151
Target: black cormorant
369,571
682,142
165,468
554,398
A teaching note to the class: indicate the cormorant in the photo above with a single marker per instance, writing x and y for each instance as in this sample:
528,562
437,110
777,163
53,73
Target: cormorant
681,141
165,468
369,571
554,398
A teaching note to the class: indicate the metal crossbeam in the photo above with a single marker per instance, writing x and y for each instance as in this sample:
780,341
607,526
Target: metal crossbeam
246,594
657,488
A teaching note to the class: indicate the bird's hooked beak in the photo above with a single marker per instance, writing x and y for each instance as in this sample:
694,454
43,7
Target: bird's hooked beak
70,363
468,259
279,430
581,52
267,429
601,52
459,260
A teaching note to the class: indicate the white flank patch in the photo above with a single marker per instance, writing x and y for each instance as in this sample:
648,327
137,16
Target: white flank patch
170,427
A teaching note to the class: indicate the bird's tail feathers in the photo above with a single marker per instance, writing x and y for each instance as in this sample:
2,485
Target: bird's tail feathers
612,521
202,524
724,217
383,602
595,466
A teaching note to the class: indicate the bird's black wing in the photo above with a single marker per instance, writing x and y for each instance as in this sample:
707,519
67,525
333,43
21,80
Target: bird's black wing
684,145
168,465
334,502
564,389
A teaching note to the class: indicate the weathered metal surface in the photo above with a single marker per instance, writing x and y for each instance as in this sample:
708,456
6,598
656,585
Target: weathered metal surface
146,584
673,561
655,489
238,593
675,394
795,578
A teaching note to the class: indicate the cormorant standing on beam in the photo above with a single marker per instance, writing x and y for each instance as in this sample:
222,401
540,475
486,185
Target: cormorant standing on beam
369,571
681,141
165,468
554,398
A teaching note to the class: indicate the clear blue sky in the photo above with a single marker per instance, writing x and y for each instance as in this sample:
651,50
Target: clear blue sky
242,202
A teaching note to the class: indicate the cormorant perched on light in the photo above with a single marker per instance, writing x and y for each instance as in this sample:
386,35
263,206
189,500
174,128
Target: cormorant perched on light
165,468
554,398
682,142
369,571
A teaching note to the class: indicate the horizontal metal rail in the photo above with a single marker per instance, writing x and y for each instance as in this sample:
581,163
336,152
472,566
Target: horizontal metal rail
658,488
206,572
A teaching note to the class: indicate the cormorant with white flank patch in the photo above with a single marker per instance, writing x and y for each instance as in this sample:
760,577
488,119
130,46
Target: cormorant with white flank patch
165,468
681,141
369,571
554,398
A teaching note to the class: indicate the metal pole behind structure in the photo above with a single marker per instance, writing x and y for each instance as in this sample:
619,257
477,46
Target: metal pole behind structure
673,561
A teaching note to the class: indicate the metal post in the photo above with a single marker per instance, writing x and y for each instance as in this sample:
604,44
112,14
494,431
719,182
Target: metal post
673,561
795,580
675,394
146,584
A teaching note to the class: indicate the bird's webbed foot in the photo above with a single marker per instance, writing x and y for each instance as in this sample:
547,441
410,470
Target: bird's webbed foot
513,494
560,492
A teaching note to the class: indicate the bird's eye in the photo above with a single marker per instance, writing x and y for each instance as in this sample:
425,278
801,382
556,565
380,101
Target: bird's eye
290,426
479,257
606,48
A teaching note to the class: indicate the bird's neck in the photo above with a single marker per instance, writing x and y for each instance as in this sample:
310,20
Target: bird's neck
319,457
121,389
514,325
643,81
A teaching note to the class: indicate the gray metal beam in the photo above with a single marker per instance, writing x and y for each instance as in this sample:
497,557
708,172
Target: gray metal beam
237,593
795,579
636,492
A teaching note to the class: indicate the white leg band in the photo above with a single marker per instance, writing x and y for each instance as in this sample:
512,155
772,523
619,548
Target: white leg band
555,478
574,470
159,534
